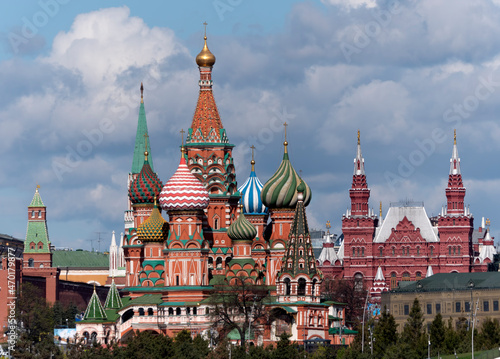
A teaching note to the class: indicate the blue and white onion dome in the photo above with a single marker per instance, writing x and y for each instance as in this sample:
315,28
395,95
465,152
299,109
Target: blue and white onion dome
250,194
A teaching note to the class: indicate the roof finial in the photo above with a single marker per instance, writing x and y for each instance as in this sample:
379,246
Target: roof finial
328,226
455,136
380,209
285,143
205,25
488,223
182,132
358,138
146,147
37,187
142,93
253,161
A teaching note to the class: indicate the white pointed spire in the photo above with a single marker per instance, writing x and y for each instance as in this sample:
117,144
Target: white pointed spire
379,277
359,161
429,272
113,256
455,160
483,225
121,254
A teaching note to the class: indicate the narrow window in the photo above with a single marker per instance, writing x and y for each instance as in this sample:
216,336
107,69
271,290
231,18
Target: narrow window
486,306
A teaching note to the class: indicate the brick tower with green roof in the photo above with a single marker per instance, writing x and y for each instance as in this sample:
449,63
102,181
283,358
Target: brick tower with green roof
37,251
37,258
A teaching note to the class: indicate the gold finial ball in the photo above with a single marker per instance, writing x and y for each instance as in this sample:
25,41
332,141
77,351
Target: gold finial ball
252,162
146,153
285,143
205,58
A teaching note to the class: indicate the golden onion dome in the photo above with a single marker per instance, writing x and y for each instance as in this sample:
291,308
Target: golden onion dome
205,58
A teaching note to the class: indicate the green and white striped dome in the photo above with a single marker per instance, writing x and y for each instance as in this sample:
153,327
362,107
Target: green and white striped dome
280,191
241,229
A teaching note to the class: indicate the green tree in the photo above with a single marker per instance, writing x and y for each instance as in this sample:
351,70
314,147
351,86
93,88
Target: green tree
437,332
285,349
489,336
451,339
147,345
413,331
36,325
385,334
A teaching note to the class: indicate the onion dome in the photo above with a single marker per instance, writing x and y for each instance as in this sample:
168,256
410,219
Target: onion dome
183,191
146,185
250,194
205,58
281,189
153,229
241,229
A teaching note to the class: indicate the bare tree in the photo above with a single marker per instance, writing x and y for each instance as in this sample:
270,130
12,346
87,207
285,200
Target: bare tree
240,305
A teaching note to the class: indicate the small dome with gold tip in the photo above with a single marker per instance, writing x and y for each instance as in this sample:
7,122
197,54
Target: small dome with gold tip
205,58
153,229
241,229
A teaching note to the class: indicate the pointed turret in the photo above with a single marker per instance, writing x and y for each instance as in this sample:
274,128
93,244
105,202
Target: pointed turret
299,256
113,300
206,126
113,256
430,272
37,235
455,192
141,144
95,310
359,192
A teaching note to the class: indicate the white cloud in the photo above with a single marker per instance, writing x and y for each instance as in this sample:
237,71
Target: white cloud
354,4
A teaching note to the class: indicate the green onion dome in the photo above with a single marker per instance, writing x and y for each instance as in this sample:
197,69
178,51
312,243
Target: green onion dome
153,229
241,229
281,189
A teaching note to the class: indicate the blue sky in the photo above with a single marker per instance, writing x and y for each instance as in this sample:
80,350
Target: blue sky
404,73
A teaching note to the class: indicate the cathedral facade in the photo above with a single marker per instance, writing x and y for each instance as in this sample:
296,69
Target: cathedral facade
216,235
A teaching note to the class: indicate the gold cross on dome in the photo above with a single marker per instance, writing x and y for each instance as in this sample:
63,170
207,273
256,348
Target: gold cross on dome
328,225
488,222
205,24
253,148
285,124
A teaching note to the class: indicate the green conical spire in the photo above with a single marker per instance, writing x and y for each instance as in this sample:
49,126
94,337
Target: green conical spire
37,200
95,311
37,234
141,142
113,300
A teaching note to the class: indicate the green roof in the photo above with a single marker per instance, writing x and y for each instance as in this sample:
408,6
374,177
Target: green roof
37,200
344,331
80,259
95,311
113,300
451,282
36,233
235,334
140,143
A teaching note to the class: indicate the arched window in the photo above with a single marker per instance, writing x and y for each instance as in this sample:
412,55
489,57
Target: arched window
393,251
358,282
459,250
432,251
353,252
406,277
394,281
301,289
449,250
218,263
381,251
33,216
170,311
178,311
31,262
418,276
287,286
313,288
216,223
93,337
141,311
195,311
39,214
418,251
150,311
